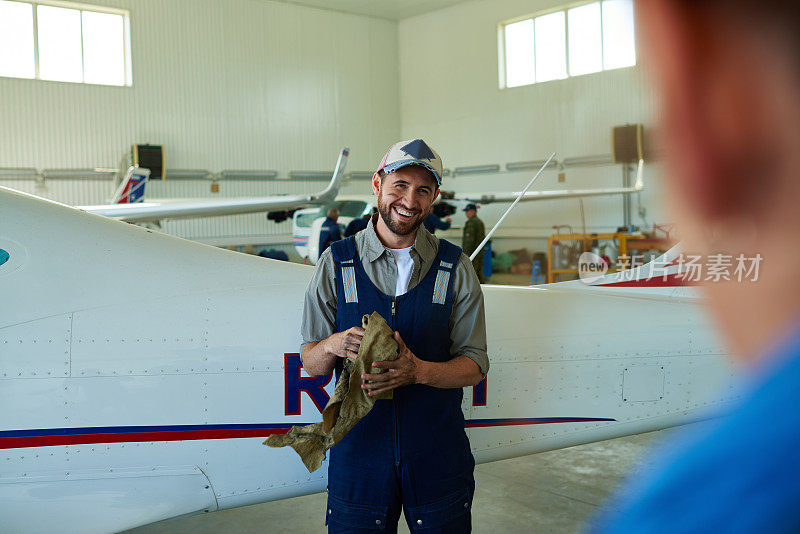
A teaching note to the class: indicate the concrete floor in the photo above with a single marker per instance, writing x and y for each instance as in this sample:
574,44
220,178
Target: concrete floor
557,491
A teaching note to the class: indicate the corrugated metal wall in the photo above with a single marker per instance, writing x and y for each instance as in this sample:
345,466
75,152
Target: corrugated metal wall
239,84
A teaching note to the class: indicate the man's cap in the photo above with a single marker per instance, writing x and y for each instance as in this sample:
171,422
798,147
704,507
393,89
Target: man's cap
412,152
471,207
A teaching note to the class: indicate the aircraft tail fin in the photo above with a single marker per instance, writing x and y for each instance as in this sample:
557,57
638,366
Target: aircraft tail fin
131,190
329,194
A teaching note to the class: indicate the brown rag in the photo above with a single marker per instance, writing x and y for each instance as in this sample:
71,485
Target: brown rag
349,402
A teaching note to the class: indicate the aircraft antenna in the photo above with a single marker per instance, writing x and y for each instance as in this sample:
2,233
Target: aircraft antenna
511,207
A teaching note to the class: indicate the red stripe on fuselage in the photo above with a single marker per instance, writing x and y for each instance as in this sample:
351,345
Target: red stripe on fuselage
183,435
224,433
672,280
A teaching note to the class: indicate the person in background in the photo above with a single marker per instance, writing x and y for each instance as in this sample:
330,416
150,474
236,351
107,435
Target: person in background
329,231
474,233
356,225
728,73
433,222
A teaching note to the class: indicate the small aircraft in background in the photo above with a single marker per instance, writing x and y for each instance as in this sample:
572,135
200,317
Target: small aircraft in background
129,204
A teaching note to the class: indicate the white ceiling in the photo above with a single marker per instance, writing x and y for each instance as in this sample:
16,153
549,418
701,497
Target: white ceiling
388,9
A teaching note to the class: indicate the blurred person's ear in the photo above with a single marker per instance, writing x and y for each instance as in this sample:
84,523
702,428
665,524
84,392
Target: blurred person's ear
715,93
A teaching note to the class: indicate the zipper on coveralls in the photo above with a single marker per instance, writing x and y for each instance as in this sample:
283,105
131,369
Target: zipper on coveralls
394,408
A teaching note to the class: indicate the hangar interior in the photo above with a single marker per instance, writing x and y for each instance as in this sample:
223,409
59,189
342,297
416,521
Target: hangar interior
252,98
276,88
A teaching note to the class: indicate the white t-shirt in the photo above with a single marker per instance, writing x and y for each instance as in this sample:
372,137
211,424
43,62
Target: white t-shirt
404,267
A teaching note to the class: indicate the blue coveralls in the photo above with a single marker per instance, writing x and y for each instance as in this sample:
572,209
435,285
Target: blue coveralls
411,450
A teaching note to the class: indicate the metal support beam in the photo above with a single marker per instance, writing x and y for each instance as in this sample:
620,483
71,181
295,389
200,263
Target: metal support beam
626,199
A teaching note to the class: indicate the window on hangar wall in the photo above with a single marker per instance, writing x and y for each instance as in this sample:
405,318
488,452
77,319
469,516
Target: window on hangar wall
65,42
587,38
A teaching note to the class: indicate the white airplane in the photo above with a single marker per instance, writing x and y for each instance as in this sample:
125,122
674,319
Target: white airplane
307,223
129,204
140,372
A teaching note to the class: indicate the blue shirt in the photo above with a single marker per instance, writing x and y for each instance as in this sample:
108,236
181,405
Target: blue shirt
740,473
432,223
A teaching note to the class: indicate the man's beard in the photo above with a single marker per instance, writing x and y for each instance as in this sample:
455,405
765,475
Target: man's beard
396,226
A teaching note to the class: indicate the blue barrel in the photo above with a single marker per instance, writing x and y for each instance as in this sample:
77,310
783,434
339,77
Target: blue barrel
487,259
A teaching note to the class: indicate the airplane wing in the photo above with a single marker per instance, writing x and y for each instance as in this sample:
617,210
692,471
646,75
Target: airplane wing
485,198
158,211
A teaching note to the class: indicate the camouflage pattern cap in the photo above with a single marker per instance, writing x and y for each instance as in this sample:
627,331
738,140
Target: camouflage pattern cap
412,152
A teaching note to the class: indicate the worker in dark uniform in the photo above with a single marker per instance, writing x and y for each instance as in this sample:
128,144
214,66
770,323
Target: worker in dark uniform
433,222
409,452
356,225
329,231
474,233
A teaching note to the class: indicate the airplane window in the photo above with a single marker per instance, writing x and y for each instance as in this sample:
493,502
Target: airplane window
3,256
347,208
305,220
353,208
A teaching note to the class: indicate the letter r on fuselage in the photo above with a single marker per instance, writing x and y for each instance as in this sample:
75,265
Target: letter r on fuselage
295,384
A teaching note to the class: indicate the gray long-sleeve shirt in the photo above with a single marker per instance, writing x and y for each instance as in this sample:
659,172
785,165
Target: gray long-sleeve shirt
467,320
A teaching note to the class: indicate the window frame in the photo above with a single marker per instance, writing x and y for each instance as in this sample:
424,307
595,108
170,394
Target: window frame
126,39
501,43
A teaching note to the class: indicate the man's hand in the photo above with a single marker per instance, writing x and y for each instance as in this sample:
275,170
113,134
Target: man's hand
400,372
344,344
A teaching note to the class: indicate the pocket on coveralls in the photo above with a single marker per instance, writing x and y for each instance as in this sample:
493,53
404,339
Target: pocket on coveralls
342,516
451,514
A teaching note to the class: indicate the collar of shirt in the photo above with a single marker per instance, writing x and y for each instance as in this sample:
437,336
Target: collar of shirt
424,244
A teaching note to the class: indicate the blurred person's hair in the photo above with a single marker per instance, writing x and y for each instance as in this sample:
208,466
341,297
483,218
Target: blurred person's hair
777,19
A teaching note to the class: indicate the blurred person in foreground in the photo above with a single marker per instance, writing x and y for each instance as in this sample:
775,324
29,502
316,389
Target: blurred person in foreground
728,73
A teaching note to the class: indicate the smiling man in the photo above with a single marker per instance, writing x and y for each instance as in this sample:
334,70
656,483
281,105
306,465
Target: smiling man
410,452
